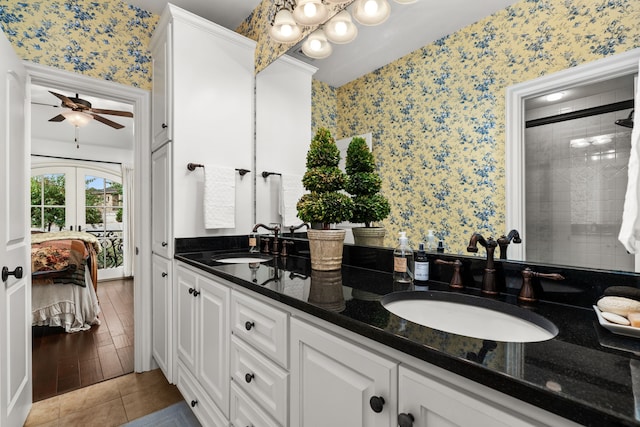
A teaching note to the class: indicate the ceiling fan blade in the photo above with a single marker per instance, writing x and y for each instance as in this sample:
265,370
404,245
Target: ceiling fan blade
57,118
112,112
65,101
107,121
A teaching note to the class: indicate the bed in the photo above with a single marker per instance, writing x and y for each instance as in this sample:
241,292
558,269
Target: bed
64,280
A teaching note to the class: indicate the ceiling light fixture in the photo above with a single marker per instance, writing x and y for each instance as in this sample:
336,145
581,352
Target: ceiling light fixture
284,28
371,12
316,45
554,96
310,12
340,29
77,118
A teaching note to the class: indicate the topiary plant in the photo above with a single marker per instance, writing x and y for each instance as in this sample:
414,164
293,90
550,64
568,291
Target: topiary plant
324,179
363,183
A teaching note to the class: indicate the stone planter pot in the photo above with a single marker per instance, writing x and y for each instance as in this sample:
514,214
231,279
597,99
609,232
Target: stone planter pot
325,247
368,236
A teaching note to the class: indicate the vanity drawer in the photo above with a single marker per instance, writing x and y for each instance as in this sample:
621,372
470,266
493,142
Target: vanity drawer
244,412
201,404
264,381
261,325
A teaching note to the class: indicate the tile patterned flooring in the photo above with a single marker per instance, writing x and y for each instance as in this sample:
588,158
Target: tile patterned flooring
106,404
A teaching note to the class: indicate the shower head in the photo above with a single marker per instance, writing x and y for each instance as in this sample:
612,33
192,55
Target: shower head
628,122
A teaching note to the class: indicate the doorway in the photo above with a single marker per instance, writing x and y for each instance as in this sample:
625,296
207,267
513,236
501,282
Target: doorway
140,101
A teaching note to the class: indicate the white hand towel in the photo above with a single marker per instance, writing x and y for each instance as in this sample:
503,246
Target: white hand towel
219,197
629,234
291,190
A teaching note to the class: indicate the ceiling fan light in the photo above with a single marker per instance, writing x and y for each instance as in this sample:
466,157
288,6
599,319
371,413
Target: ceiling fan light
371,12
284,28
77,118
316,45
340,29
310,12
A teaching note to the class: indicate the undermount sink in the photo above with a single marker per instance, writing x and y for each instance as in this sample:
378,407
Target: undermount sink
471,316
241,258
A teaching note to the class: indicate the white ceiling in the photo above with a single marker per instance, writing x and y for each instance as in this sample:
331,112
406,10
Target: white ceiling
408,28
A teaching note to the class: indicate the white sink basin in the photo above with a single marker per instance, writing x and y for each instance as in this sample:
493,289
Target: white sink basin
241,258
470,316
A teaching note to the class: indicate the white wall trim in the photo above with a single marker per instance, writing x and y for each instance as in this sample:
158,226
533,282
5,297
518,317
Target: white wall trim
593,72
141,101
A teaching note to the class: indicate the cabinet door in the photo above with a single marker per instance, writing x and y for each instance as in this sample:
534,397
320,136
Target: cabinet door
161,93
333,380
161,314
186,284
213,340
161,202
431,403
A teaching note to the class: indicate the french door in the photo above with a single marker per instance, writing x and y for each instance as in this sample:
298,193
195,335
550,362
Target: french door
82,199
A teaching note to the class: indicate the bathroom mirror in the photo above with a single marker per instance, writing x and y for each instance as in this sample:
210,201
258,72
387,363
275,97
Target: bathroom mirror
449,96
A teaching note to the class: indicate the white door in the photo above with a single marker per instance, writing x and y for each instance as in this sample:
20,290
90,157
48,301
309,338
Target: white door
15,334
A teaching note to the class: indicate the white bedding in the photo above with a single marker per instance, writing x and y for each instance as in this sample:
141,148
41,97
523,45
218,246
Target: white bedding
69,306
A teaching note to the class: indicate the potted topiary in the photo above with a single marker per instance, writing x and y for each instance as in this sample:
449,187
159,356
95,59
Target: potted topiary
325,204
363,183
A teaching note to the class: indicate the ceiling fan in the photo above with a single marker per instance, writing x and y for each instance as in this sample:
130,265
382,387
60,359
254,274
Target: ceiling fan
81,112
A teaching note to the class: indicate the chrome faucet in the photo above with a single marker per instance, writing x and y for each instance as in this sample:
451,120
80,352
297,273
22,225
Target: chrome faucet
275,244
489,277
503,242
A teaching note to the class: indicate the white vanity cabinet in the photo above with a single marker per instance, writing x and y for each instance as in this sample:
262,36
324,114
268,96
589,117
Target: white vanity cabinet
161,91
259,357
202,341
426,401
161,292
333,381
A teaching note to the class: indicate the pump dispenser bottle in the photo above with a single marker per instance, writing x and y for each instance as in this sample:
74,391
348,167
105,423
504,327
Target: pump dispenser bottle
431,241
422,265
403,261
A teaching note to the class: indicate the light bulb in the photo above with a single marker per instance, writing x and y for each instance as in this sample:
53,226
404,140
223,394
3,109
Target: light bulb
286,30
315,45
310,10
371,7
340,28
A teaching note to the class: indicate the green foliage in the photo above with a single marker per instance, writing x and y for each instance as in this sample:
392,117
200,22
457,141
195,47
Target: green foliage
326,208
48,201
119,215
359,158
364,184
323,150
370,208
324,179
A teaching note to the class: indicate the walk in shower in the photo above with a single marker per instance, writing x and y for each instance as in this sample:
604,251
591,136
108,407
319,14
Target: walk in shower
576,158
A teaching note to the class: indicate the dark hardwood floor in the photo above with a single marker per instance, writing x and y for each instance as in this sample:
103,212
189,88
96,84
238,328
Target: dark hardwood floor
63,362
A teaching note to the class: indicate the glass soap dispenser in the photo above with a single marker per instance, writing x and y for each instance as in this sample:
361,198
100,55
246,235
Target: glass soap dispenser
403,261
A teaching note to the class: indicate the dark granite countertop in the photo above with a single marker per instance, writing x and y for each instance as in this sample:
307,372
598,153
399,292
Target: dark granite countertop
585,373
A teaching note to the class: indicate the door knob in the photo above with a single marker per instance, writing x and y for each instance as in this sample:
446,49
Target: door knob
6,273
376,403
405,420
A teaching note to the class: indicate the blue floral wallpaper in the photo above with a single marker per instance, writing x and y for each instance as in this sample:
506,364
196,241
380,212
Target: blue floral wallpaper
437,115
104,39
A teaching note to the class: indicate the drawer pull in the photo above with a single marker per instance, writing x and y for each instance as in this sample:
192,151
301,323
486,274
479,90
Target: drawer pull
164,126
249,377
164,274
191,290
164,244
376,403
194,403
248,325
405,420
